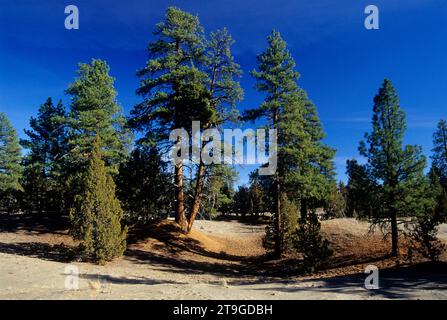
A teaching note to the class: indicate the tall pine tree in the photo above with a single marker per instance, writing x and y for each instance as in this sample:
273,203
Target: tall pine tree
224,92
10,156
277,78
46,145
305,167
172,87
440,151
10,164
188,78
95,110
438,171
396,169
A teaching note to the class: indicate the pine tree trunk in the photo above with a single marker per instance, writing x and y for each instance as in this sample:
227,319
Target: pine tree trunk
303,209
180,198
393,218
180,217
278,231
278,222
197,195
394,235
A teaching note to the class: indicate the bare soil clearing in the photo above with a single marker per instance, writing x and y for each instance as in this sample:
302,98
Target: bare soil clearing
218,260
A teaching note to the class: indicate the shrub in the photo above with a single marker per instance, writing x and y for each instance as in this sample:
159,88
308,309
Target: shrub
311,244
96,216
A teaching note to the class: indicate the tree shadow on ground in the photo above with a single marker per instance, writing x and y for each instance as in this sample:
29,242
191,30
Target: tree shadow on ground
54,223
394,283
185,266
44,251
352,259
126,281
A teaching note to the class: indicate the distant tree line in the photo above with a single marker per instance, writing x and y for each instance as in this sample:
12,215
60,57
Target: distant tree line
82,160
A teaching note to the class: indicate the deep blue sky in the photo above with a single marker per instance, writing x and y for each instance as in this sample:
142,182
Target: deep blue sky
341,63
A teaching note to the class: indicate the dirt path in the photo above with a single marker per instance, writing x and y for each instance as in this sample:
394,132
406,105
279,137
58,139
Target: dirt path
29,270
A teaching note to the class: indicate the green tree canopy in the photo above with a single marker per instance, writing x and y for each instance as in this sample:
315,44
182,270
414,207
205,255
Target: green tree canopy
144,185
187,78
398,170
305,169
95,110
218,190
440,151
47,146
10,156
173,87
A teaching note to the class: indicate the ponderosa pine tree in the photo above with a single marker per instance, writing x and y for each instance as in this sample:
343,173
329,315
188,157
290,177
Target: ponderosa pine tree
438,171
305,168
186,79
277,78
310,175
97,214
95,110
173,87
395,170
46,145
224,92
10,164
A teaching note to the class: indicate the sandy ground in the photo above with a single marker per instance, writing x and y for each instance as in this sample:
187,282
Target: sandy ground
226,268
